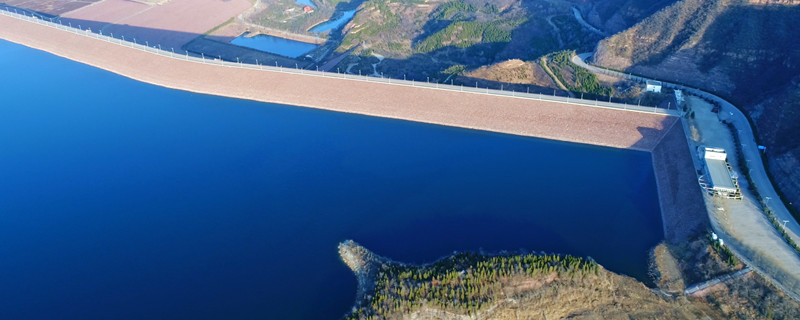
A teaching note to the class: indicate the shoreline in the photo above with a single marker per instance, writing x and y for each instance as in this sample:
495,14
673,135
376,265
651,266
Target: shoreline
654,133
511,115
657,134
604,126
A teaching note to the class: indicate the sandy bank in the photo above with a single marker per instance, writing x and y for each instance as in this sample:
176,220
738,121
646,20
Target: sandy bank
551,120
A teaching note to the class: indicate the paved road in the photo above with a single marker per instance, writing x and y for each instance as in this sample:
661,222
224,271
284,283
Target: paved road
757,170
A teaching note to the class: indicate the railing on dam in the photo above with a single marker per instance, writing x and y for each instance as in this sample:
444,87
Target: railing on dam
155,49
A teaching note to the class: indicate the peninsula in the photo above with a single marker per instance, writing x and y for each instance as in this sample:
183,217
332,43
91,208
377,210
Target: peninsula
505,286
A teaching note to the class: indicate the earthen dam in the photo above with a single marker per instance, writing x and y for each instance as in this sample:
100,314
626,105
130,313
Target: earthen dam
588,122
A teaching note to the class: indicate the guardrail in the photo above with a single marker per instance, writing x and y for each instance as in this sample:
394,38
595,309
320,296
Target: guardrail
156,49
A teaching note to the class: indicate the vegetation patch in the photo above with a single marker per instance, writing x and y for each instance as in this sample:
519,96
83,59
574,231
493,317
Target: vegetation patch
463,283
575,78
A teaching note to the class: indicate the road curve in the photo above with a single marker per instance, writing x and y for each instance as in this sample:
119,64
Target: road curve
749,149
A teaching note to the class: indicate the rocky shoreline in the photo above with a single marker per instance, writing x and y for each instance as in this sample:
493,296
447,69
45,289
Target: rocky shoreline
364,265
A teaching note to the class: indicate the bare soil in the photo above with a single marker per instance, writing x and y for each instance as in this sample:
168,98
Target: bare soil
513,71
170,25
51,7
668,271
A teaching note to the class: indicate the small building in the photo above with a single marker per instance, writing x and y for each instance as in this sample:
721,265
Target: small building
308,9
720,180
653,86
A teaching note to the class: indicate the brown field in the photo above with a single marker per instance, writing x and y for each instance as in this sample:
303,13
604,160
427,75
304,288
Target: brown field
171,25
52,7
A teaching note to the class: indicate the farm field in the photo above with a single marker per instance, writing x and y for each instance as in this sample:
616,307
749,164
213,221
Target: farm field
171,24
52,7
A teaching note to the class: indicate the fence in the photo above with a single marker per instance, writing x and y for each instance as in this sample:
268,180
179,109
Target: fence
156,49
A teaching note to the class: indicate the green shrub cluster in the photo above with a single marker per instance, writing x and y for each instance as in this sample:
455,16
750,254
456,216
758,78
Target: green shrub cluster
584,81
370,26
455,69
724,252
464,283
450,10
463,34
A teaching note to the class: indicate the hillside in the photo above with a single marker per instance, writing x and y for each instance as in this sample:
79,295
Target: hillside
613,16
745,51
777,120
434,40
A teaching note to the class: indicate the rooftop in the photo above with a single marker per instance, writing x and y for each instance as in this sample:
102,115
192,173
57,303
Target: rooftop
720,177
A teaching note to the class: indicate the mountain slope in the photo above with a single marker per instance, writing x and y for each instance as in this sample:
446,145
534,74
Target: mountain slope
614,16
745,51
428,40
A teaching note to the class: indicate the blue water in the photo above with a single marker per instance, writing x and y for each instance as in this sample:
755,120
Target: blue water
334,24
306,3
276,45
123,200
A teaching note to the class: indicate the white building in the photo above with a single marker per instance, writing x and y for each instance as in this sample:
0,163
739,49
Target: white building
653,86
720,180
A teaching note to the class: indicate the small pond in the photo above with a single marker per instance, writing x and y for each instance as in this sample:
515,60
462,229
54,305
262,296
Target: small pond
276,45
334,24
306,3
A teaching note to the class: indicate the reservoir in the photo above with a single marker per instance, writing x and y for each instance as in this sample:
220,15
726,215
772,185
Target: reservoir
124,200
334,24
276,45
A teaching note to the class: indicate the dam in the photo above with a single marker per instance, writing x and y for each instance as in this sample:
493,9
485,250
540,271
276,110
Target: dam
172,200
557,118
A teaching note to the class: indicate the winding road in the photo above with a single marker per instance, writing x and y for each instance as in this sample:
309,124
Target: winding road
780,262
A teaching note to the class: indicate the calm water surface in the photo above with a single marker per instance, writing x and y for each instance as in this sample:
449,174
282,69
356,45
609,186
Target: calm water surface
276,45
123,200
306,3
334,23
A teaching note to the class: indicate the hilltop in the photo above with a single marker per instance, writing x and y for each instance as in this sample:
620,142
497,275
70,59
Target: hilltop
745,51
